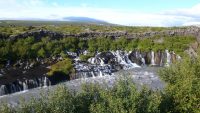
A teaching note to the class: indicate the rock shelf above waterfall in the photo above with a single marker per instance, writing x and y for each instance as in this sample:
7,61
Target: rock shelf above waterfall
194,31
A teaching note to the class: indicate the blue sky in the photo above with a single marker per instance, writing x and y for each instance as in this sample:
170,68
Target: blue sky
142,5
124,12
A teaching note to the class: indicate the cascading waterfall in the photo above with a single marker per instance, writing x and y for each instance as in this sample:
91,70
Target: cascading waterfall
91,60
168,58
100,74
45,82
101,62
100,65
132,65
93,74
152,58
13,88
143,61
96,67
136,54
3,90
141,58
24,85
124,60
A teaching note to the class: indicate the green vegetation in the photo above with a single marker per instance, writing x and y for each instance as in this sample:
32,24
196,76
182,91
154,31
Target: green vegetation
29,48
104,28
65,66
182,94
85,57
176,43
10,30
15,27
122,98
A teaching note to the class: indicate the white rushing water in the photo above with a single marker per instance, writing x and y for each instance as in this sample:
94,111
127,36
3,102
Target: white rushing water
152,58
25,86
101,62
122,58
168,58
3,90
45,82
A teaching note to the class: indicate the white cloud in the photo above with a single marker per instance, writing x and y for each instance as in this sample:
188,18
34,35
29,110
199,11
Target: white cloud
38,9
191,23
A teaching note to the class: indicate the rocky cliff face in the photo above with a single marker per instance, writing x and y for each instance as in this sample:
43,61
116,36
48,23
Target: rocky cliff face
193,31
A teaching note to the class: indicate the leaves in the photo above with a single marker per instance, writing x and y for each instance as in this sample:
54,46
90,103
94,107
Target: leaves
65,66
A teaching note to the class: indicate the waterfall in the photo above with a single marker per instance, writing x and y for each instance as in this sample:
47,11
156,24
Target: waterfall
101,62
45,82
13,88
18,85
85,52
95,60
119,57
3,90
152,58
100,73
25,86
143,61
36,83
136,54
85,70
40,82
168,58
93,74
124,60
91,60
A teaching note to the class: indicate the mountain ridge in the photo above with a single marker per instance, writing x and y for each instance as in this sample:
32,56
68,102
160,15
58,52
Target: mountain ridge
84,19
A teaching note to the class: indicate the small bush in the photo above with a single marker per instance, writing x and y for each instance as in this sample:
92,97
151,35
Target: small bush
85,57
65,66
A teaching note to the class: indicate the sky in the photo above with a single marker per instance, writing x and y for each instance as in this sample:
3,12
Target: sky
123,12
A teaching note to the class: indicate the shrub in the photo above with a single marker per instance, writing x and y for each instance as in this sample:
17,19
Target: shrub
183,91
65,66
85,57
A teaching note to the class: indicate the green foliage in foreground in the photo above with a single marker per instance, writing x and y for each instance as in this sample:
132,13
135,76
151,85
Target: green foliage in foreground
65,66
122,98
182,94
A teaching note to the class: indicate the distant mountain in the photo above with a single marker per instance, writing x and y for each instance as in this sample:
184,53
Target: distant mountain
84,20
